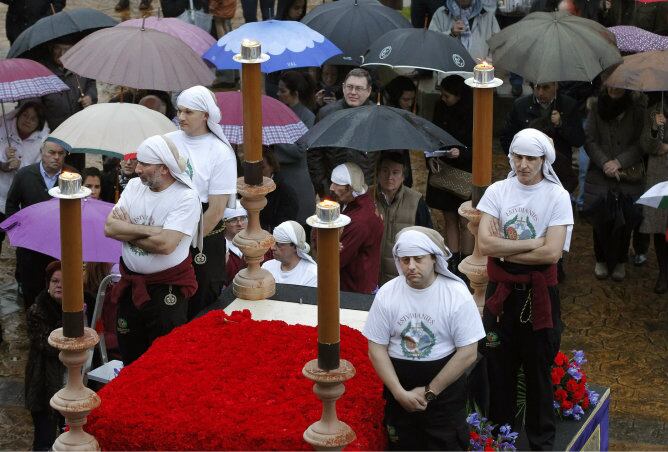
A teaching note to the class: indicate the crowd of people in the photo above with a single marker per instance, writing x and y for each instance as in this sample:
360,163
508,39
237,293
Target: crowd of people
176,213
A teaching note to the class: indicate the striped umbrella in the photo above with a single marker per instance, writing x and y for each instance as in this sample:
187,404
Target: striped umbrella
656,197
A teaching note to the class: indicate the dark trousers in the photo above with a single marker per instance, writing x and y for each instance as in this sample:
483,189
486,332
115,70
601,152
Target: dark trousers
138,328
640,241
249,8
47,425
609,249
661,249
422,10
510,344
210,275
31,273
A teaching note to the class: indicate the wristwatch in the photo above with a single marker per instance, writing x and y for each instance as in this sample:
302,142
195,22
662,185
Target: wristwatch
429,394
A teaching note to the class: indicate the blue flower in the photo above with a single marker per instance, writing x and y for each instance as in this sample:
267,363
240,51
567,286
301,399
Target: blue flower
568,413
555,404
579,357
574,372
473,419
593,396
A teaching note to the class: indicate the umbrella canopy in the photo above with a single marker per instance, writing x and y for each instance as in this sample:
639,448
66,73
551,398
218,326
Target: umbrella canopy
352,25
289,45
552,47
634,40
23,79
58,25
420,49
138,58
114,129
656,197
196,38
376,128
646,71
279,123
37,228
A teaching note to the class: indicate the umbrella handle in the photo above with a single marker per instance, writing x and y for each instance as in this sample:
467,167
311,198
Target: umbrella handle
4,120
53,10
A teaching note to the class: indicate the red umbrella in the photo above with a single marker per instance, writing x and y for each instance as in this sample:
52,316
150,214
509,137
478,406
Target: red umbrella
279,123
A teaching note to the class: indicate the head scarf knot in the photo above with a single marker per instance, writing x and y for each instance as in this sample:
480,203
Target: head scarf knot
293,232
350,174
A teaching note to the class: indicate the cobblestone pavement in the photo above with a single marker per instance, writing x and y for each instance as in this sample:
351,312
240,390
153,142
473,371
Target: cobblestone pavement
623,327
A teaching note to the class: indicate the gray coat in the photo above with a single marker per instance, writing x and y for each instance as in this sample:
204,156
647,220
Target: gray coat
655,221
483,26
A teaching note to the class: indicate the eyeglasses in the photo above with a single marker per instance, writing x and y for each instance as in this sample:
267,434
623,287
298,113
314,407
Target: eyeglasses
355,88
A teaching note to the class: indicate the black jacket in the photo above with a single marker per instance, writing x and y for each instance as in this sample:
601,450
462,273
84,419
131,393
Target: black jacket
21,14
527,113
27,188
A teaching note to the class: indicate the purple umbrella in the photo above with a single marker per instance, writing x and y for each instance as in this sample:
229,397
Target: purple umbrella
196,38
37,228
635,40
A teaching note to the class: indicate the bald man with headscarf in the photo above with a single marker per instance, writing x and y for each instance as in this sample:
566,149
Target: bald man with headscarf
211,164
361,239
525,226
423,330
158,219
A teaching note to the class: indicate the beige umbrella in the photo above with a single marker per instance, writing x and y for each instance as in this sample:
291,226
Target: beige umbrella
646,71
112,129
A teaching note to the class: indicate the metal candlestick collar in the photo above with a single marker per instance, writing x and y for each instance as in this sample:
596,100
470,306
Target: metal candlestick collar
328,216
69,187
251,52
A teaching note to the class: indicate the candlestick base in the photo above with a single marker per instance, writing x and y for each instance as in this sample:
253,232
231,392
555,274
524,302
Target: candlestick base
253,282
74,401
475,265
329,433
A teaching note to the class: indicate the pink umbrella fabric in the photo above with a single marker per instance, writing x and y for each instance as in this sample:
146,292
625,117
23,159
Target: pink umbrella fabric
635,40
279,123
21,79
196,38
37,228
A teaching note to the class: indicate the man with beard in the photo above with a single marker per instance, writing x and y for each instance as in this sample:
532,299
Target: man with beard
157,218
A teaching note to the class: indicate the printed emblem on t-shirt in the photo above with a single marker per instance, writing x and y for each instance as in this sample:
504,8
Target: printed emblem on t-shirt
519,227
189,169
417,340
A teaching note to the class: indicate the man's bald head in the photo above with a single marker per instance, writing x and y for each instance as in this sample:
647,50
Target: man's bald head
154,103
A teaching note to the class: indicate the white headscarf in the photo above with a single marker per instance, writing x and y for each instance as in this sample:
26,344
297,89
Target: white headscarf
350,174
293,232
160,150
234,212
202,99
419,241
534,143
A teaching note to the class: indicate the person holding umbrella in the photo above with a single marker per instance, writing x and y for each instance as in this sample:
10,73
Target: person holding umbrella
22,14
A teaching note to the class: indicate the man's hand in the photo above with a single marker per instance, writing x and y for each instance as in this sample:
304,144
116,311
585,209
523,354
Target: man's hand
611,168
495,229
85,101
453,153
321,99
412,400
555,118
458,28
119,213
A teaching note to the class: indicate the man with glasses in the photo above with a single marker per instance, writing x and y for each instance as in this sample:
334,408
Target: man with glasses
356,91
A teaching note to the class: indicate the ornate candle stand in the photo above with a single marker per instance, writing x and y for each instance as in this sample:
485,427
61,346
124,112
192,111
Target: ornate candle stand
328,372
483,84
253,282
74,401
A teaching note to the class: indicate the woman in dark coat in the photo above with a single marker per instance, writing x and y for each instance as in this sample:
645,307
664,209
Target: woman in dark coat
282,204
454,114
44,372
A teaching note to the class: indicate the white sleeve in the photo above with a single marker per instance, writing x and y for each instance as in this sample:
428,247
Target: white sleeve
123,202
562,213
489,203
377,327
466,324
224,173
185,215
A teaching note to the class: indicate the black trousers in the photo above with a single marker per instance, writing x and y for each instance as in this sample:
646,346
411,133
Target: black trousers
47,425
31,273
510,344
611,249
138,328
442,426
421,9
249,8
210,275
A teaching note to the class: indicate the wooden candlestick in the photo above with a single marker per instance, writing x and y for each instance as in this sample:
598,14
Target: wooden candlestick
328,299
483,123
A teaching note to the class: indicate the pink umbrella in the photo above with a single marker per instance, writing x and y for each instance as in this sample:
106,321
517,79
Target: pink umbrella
37,228
279,123
196,38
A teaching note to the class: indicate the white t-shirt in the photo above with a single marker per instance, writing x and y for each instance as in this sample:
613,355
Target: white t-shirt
176,208
423,324
526,211
211,163
305,273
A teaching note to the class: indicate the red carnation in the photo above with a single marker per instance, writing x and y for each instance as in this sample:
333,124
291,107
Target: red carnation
560,395
585,403
474,436
488,442
561,359
572,386
488,448
557,374
566,405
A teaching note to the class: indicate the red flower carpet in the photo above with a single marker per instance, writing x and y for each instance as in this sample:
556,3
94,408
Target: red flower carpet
229,382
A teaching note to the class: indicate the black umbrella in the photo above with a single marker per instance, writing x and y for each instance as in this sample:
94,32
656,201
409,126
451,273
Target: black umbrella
376,128
420,49
352,25
57,26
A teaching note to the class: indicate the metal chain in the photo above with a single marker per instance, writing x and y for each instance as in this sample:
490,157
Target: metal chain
527,302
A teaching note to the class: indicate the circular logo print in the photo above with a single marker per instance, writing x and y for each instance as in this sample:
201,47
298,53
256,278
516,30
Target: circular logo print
385,52
458,60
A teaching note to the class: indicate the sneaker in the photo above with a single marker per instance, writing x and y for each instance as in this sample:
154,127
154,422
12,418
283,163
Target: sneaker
145,4
122,5
639,260
619,273
601,270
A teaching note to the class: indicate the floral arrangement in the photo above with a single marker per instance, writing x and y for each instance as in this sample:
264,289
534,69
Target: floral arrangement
232,383
481,438
571,394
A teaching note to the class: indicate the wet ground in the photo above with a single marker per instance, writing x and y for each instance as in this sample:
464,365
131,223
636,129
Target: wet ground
622,327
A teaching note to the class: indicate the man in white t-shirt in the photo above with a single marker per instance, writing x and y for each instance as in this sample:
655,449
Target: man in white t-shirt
157,218
291,263
423,330
525,226
212,166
